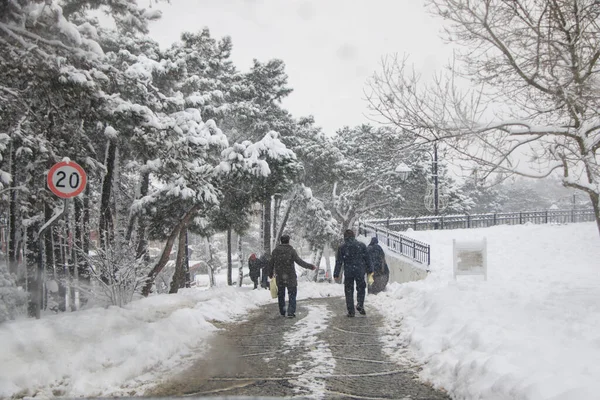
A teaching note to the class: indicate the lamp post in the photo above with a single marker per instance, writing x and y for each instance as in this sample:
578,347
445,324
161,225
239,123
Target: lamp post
435,197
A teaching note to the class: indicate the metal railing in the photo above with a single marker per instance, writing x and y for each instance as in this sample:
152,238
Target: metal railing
484,220
408,247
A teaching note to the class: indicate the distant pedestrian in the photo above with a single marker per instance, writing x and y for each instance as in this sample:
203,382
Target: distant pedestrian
381,272
264,271
282,266
352,255
254,267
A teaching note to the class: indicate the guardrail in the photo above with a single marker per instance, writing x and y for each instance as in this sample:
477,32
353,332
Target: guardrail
485,220
408,247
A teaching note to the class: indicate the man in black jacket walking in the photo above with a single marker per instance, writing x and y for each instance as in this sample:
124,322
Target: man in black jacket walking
281,263
353,256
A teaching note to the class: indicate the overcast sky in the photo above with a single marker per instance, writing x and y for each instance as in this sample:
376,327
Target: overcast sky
330,47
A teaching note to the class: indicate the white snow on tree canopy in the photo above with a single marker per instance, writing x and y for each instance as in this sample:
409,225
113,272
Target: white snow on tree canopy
152,14
145,67
111,132
247,157
51,15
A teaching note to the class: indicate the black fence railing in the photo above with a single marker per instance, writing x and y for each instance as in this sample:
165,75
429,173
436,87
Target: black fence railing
418,251
484,220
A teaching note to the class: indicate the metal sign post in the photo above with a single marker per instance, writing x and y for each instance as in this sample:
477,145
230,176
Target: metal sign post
66,179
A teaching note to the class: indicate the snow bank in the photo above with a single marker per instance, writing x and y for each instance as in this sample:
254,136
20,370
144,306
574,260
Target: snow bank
532,331
120,351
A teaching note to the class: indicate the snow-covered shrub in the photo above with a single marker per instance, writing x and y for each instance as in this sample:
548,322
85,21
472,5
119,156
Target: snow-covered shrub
12,299
117,275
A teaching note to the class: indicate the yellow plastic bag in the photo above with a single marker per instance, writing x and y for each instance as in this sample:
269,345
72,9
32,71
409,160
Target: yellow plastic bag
273,288
370,279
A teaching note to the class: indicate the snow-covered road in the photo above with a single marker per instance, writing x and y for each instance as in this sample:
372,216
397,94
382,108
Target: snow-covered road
322,354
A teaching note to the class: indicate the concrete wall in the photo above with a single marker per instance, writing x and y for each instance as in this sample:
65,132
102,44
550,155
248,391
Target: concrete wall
402,269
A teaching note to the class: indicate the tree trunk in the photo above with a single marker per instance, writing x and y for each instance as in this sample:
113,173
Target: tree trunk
82,268
211,272
13,209
241,260
105,228
285,219
276,206
85,273
142,246
164,258
186,261
178,280
70,256
49,252
72,225
229,262
328,270
61,272
65,266
317,262
34,276
267,226
595,198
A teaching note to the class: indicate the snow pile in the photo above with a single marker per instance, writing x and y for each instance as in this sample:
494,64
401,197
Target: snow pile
532,331
100,352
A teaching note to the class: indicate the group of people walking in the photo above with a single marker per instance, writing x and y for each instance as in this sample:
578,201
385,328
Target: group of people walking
357,259
353,257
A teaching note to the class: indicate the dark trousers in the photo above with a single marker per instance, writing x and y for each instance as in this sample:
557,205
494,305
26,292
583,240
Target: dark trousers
255,280
349,291
292,291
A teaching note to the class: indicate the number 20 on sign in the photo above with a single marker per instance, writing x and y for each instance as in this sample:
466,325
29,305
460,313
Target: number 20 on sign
66,179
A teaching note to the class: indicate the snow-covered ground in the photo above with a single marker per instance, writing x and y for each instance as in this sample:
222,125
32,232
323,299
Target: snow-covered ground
531,331
122,351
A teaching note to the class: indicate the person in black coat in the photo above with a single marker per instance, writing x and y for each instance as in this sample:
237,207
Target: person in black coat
282,265
254,267
381,272
352,255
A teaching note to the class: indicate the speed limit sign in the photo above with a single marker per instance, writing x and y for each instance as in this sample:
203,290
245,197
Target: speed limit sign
66,179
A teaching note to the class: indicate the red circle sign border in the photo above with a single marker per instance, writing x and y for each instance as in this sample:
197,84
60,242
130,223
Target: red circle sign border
53,188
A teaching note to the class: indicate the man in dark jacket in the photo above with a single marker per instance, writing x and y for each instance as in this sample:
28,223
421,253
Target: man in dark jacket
353,256
254,267
281,264
380,268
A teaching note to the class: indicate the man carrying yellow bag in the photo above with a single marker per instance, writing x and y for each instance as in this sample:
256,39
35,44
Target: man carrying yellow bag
282,266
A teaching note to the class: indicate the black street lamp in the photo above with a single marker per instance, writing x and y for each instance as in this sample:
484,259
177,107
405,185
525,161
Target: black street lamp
435,179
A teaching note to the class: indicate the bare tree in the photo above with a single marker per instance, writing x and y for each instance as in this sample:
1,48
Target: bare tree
535,63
